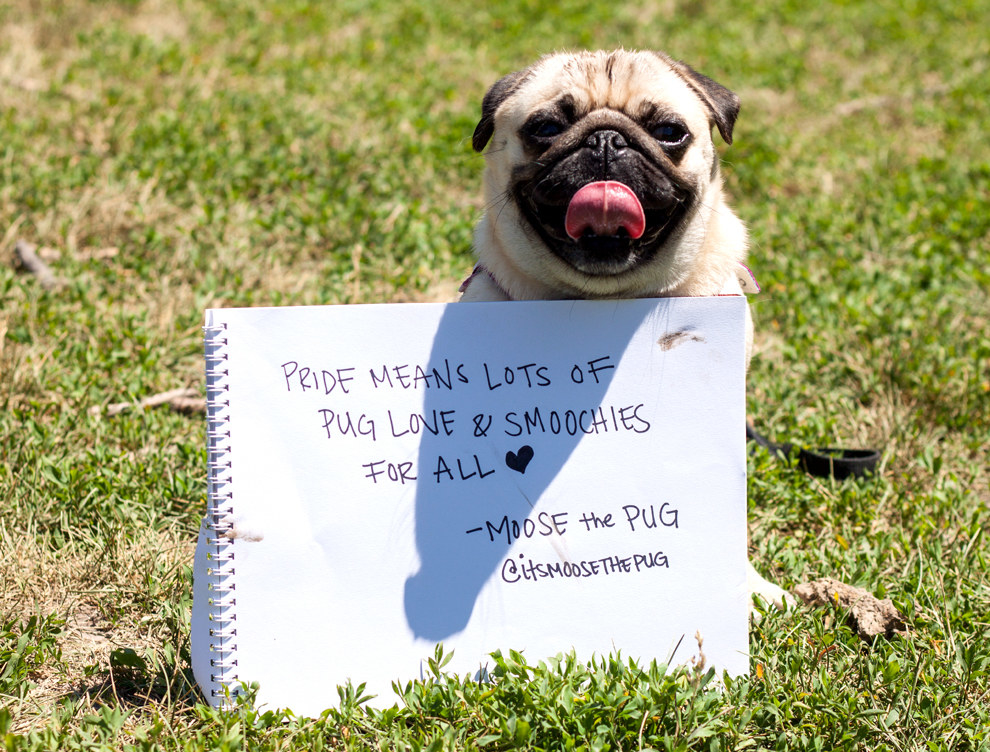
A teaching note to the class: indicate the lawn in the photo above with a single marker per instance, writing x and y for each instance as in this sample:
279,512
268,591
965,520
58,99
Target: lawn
165,156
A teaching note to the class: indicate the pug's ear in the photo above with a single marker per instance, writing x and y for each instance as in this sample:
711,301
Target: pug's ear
498,93
723,105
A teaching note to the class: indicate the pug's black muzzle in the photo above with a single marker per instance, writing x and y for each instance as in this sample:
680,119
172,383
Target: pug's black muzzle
604,154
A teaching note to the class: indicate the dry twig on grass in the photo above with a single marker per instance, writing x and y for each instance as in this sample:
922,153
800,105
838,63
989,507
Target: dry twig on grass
867,615
29,259
183,400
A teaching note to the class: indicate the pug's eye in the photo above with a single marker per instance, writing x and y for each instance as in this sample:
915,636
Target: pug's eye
670,134
544,130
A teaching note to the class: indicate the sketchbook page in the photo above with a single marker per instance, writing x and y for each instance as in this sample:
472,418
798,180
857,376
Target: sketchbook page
536,476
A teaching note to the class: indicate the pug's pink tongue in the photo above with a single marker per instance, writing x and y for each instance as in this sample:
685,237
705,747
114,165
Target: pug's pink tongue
604,208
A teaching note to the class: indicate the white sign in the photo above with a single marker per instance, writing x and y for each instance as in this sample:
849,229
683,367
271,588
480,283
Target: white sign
540,476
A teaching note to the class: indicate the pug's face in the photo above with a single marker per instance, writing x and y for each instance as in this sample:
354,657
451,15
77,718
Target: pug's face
601,176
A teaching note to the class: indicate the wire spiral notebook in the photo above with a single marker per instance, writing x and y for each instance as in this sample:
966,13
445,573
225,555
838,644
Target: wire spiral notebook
543,477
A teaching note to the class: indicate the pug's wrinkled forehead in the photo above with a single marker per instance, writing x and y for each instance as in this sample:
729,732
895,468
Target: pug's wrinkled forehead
637,84
623,83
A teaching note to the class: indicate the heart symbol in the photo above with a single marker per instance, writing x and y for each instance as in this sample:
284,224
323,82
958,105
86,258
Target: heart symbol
519,461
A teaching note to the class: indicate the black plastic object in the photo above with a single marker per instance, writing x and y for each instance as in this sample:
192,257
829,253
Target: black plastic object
823,463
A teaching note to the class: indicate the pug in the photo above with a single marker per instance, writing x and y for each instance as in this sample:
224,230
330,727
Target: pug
602,181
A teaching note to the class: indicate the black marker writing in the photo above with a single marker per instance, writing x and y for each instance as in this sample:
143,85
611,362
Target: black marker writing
397,472
593,522
527,569
437,421
650,516
578,373
444,470
509,375
545,524
309,378
482,423
572,422
416,377
346,425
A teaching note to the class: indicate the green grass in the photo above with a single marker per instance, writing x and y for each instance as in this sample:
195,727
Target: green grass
178,154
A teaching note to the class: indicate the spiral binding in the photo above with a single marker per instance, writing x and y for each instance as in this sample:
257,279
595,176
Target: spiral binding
219,498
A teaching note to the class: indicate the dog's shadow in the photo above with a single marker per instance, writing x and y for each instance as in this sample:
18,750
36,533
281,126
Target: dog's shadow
482,476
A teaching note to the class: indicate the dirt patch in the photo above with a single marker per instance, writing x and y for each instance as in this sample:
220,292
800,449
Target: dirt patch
867,615
101,597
